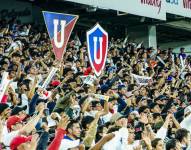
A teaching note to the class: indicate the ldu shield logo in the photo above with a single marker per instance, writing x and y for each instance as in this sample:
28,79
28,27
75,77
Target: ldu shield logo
97,43
59,28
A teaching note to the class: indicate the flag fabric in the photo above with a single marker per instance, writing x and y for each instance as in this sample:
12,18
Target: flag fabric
97,43
89,80
125,41
159,58
182,61
77,40
59,28
49,78
139,45
153,53
142,80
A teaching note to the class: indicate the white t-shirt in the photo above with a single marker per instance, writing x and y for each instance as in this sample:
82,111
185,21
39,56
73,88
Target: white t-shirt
66,144
8,136
133,145
119,142
161,133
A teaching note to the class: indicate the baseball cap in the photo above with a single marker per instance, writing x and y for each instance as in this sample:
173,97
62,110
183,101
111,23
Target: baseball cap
55,83
18,140
18,109
13,120
121,86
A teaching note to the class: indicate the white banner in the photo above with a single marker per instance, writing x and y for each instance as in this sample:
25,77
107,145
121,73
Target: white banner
139,45
159,58
179,7
141,80
153,53
182,63
49,78
4,83
89,80
147,8
103,97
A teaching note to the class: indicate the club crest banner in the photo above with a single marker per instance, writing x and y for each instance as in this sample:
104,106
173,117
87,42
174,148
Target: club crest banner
97,43
59,28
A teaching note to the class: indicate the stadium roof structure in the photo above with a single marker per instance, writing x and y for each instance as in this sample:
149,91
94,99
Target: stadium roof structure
175,28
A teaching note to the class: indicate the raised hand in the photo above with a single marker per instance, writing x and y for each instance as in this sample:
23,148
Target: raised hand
146,139
138,148
63,123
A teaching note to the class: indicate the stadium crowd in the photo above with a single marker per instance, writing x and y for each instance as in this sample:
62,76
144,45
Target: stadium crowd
140,114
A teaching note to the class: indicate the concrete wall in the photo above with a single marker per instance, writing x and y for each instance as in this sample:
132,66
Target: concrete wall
178,45
139,34
37,15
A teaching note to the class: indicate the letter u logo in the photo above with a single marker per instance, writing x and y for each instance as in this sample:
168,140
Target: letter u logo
63,23
96,59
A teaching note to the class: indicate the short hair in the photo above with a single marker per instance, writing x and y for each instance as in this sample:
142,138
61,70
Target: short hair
155,142
171,144
181,133
71,123
87,120
142,109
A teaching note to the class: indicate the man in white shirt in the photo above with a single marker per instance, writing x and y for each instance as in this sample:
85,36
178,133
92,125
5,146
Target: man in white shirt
71,140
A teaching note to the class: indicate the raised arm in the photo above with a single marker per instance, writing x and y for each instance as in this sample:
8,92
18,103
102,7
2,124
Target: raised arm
101,142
